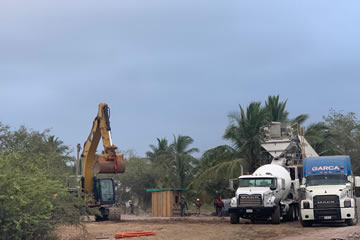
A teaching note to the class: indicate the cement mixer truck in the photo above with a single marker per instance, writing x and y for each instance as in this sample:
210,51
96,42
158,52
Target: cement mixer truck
272,191
268,192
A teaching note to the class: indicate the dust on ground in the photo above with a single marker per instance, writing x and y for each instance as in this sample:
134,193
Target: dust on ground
207,227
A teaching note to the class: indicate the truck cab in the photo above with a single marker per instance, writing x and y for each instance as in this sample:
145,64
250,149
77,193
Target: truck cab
328,191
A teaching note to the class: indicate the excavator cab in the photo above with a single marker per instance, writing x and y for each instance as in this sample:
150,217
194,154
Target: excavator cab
104,190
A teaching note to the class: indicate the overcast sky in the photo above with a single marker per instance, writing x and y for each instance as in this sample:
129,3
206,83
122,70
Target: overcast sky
172,67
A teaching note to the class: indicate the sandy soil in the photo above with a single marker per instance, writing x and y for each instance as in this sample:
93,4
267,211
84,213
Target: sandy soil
207,227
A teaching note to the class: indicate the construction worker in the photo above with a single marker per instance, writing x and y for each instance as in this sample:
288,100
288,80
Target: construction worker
198,205
131,206
219,204
183,205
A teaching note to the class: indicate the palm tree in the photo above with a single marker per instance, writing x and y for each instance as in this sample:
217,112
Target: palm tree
244,132
216,155
277,113
319,138
218,165
300,119
276,110
182,161
161,149
56,144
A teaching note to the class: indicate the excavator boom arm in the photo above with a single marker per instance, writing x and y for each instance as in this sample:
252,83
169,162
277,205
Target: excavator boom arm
108,161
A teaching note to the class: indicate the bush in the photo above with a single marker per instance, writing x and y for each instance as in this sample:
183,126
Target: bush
31,204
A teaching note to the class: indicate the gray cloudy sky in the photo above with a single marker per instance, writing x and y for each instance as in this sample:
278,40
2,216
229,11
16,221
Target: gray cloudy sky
172,67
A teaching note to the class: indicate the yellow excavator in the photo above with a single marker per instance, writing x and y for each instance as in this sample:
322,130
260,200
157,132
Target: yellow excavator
100,191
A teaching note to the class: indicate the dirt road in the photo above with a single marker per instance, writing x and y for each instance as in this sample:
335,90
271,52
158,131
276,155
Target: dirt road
207,227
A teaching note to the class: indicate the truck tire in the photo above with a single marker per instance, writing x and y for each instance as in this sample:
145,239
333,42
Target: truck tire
297,212
291,214
275,217
234,218
305,223
354,221
115,214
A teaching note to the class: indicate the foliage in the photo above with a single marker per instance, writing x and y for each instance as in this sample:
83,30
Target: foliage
174,161
276,110
157,151
339,134
33,175
139,176
216,155
244,132
31,203
181,159
344,136
218,165
318,136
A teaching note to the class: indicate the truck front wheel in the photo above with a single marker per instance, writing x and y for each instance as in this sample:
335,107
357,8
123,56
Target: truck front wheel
275,217
234,218
305,223
354,221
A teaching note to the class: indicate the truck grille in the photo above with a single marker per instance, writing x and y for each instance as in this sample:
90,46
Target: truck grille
327,214
250,200
326,201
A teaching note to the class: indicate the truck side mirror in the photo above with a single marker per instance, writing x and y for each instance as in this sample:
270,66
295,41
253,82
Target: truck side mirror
272,188
231,184
357,181
357,186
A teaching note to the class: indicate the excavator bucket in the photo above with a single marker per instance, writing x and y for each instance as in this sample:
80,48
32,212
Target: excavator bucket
105,164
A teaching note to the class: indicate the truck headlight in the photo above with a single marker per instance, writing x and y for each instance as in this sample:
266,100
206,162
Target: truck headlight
306,204
347,203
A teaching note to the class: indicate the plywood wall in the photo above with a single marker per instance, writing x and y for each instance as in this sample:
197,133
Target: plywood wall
163,203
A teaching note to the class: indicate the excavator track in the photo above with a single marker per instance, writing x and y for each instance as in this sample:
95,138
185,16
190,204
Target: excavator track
115,214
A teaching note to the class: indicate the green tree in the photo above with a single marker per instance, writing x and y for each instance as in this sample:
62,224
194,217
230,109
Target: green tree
319,137
161,149
182,161
56,145
244,132
33,196
31,203
276,110
344,132
161,157
139,176
218,165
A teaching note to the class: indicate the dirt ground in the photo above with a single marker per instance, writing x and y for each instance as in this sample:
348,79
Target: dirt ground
207,227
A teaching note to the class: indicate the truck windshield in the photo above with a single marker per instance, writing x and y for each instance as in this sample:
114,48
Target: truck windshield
257,182
333,179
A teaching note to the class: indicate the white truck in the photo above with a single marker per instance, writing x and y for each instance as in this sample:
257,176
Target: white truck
268,192
272,191
328,191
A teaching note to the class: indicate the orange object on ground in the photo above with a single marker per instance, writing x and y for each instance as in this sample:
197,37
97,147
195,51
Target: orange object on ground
133,234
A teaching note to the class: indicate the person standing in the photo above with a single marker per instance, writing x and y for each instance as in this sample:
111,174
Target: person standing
131,206
219,206
198,205
183,205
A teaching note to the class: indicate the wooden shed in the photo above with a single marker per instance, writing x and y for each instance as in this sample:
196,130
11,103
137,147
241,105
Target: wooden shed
165,202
